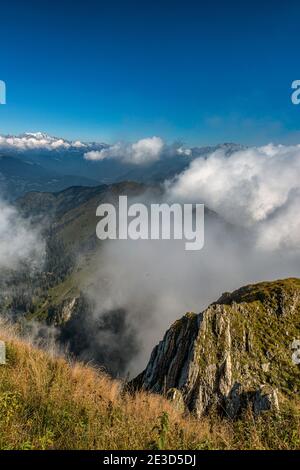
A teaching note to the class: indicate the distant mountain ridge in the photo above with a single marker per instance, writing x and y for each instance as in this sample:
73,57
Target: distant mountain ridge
40,162
19,176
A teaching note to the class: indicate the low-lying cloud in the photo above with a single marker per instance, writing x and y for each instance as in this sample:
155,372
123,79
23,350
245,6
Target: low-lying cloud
254,235
258,188
141,152
19,241
155,282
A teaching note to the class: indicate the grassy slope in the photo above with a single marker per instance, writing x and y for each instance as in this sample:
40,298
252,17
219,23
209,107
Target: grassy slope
72,213
74,223
48,403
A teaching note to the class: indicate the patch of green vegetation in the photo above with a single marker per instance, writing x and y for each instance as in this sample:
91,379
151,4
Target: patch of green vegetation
262,292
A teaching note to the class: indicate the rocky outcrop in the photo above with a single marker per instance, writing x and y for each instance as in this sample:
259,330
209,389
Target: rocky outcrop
62,313
235,354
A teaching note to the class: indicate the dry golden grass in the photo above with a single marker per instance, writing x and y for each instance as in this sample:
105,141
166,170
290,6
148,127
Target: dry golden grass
47,402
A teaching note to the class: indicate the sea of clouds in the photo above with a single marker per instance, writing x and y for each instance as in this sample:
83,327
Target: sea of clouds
253,234
257,187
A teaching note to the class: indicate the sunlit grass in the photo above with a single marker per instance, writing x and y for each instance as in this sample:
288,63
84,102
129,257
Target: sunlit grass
47,402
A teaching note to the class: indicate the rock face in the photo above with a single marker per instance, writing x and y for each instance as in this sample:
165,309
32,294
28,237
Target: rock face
63,312
235,354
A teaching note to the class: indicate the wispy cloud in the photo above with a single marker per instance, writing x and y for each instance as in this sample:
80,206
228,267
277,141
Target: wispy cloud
19,241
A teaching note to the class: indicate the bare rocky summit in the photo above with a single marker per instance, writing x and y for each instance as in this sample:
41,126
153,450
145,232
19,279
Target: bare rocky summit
237,353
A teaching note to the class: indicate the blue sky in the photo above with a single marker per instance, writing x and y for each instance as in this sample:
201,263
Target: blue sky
201,72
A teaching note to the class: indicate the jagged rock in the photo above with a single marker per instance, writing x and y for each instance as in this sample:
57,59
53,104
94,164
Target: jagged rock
235,354
265,399
62,313
67,310
234,402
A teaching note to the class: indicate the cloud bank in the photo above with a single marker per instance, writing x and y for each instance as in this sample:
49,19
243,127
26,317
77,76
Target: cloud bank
141,152
255,236
155,282
258,188
19,241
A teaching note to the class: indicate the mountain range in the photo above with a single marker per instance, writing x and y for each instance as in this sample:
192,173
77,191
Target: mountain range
39,162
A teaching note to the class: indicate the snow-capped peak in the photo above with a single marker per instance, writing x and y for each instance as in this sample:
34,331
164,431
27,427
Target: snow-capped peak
38,135
38,140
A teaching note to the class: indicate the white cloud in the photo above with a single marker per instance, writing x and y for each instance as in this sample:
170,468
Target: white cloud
78,144
114,151
38,140
146,150
184,151
19,241
138,153
258,187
